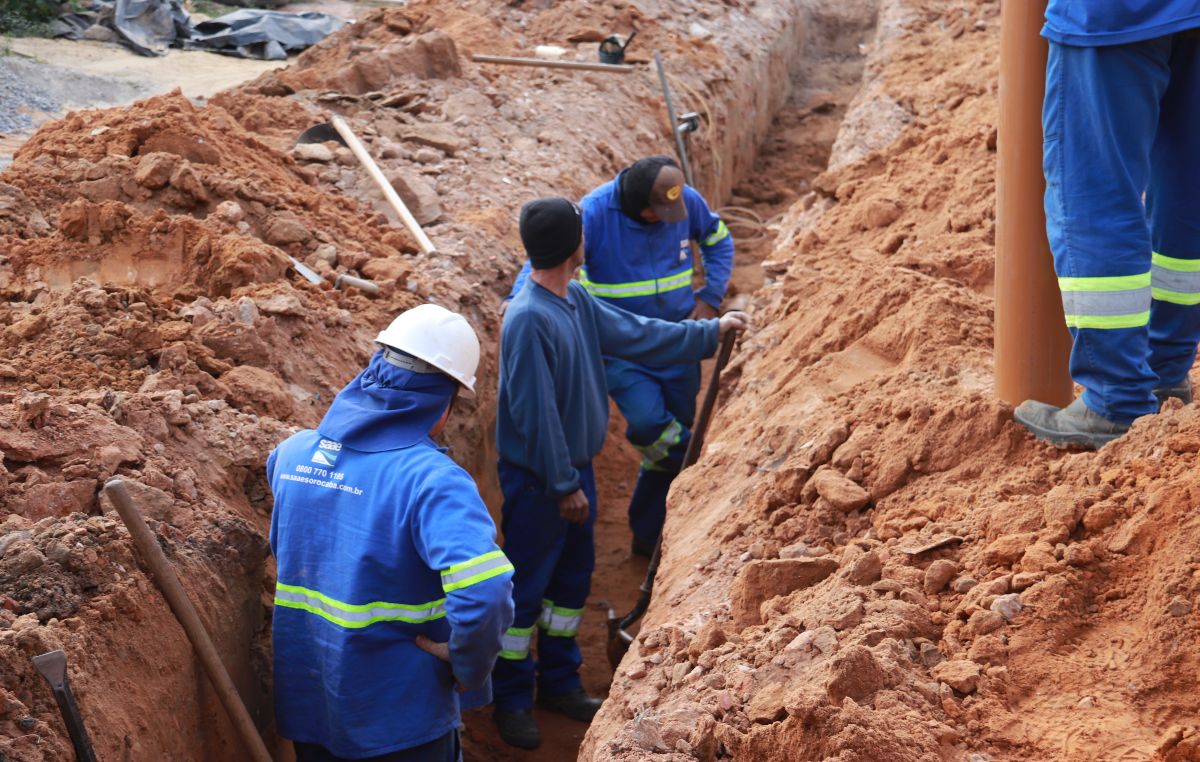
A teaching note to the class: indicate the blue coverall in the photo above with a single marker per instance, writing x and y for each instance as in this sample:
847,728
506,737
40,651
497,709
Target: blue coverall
647,269
1121,119
551,420
379,537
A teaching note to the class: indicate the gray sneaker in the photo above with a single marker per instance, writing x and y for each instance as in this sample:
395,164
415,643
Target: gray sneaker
1180,392
1076,424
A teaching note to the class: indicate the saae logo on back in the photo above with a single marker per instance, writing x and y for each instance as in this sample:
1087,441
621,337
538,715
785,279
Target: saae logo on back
327,452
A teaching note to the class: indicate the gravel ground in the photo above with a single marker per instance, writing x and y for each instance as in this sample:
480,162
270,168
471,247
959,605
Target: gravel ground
21,93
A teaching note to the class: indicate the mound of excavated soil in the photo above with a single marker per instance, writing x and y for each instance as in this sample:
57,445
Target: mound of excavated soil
884,566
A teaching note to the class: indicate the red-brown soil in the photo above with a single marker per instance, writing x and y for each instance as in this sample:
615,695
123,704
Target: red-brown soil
872,561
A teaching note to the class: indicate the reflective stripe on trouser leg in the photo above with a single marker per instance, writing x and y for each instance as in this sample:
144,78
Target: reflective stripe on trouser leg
514,643
1121,301
558,621
654,453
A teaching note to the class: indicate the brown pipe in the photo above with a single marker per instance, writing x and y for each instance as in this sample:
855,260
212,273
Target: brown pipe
548,64
185,612
1032,344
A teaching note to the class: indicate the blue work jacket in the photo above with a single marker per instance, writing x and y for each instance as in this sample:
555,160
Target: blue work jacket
373,549
1087,23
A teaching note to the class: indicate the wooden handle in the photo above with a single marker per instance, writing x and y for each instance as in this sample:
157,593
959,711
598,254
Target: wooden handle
546,64
364,158
185,612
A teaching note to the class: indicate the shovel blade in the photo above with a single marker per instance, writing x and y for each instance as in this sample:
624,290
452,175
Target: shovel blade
319,133
53,667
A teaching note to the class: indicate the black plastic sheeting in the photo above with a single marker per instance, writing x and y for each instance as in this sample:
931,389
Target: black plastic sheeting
150,27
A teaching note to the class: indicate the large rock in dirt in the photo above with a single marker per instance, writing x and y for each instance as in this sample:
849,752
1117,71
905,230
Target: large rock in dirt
855,673
959,674
418,195
57,499
759,581
432,55
841,493
261,391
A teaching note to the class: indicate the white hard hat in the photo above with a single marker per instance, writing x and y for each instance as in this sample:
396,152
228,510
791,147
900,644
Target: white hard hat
442,338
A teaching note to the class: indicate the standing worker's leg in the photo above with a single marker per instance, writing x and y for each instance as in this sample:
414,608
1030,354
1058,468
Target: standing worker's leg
1100,117
1173,205
534,538
559,659
658,405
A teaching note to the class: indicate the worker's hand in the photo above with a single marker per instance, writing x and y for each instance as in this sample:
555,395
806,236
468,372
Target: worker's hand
703,311
574,507
440,650
734,321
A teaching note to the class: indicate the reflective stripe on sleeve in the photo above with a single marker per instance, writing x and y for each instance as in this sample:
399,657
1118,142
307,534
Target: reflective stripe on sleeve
478,569
637,288
720,234
1121,301
514,643
1175,280
356,616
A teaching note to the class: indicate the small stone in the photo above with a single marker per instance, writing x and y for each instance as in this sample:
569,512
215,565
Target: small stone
842,494
698,31
930,655
1087,702
1025,580
963,584
1007,606
1078,555
25,622
327,252
286,229
982,622
825,640
637,673
230,211
1179,607
312,152
959,674
427,155
798,550
938,575
865,569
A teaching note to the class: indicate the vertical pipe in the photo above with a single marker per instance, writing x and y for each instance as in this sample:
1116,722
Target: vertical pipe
680,145
1032,344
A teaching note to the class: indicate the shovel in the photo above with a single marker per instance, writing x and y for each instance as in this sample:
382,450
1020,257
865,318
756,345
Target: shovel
53,667
618,637
337,130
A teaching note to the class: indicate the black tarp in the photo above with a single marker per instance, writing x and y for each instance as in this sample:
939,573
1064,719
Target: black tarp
149,27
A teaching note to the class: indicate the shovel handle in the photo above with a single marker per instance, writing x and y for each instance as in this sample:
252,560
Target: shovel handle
360,152
185,612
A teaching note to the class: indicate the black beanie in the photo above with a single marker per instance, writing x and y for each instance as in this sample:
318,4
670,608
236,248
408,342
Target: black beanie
551,229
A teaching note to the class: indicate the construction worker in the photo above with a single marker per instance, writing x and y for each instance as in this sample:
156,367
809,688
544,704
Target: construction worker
551,421
391,590
1121,120
638,230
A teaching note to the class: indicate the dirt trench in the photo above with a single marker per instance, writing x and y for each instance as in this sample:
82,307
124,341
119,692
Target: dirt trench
153,328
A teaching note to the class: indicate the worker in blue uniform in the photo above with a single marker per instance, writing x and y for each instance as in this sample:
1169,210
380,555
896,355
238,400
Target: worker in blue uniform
392,596
638,229
1122,164
551,421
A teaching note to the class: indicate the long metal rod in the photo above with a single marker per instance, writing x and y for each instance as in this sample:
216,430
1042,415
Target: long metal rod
680,145
1032,345
544,63
185,612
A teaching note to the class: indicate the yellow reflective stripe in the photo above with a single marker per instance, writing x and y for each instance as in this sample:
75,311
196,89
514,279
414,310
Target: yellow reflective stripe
514,643
352,615
720,234
1176,297
1178,265
1109,321
558,621
660,448
478,569
1109,283
637,288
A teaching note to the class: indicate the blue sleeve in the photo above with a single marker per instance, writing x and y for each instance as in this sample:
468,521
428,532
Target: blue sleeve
519,283
525,372
270,482
642,339
716,249
455,536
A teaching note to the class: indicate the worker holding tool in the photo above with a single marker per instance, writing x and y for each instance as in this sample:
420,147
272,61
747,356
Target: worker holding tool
1120,121
551,421
391,590
638,230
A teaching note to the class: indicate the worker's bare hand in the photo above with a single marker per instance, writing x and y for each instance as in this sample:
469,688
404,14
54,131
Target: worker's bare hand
440,650
734,321
574,507
703,311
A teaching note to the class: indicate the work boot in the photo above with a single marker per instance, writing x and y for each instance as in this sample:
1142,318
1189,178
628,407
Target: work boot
517,727
577,705
1076,424
641,548
1182,391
